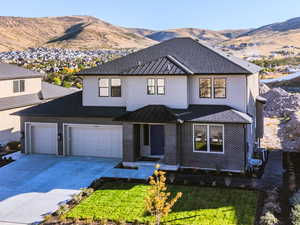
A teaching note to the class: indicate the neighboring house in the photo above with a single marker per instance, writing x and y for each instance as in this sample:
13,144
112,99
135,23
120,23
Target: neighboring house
181,101
19,89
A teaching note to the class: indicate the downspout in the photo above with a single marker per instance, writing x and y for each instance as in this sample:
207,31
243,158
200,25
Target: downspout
179,147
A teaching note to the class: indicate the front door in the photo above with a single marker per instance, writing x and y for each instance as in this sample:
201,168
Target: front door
157,139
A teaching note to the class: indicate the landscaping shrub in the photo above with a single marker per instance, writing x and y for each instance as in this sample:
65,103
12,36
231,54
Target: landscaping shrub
14,145
295,215
268,219
158,203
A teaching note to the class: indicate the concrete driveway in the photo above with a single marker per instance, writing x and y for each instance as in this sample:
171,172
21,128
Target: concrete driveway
34,185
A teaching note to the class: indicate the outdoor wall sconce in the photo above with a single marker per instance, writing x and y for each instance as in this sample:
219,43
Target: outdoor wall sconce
59,136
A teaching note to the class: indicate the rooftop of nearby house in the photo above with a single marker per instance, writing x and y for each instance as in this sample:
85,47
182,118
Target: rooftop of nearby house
175,57
11,72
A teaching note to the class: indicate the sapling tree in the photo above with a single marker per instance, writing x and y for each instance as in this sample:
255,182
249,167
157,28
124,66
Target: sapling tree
158,203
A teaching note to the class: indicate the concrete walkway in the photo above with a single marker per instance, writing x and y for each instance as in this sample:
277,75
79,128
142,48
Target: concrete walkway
273,174
35,185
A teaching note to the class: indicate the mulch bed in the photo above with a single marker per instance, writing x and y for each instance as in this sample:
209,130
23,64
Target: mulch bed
4,162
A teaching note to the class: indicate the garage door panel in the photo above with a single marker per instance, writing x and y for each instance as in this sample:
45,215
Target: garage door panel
98,141
43,139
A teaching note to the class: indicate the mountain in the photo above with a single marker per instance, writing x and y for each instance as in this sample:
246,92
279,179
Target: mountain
210,36
86,32
77,32
277,38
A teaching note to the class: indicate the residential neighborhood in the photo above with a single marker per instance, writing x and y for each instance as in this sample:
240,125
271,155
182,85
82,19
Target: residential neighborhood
180,121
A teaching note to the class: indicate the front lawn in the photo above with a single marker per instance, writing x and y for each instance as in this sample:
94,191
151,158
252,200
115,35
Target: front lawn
118,201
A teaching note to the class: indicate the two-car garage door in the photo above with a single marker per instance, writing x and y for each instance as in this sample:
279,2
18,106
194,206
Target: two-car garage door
92,140
78,139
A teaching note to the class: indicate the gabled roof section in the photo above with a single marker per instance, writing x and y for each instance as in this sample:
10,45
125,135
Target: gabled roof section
195,56
161,66
19,101
10,72
51,91
149,114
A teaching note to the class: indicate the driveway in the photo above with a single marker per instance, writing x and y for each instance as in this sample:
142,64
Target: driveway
34,185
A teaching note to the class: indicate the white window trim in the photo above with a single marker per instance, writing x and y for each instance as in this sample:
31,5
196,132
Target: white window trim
19,86
156,86
109,87
208,138
213,87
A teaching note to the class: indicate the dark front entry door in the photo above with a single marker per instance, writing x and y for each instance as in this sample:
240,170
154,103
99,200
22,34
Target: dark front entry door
157,139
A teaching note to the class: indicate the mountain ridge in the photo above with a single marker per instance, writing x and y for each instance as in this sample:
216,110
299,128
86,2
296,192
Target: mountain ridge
87,32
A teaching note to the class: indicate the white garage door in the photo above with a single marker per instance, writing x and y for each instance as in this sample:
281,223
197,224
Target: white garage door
98,141
43,138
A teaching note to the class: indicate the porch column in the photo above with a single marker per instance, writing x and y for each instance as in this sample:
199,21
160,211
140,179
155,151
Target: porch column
171,150
128,143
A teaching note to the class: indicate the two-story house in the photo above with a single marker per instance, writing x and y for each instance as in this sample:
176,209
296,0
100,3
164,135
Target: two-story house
180,101
19,89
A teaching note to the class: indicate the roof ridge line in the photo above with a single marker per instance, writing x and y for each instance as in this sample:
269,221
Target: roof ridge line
180,64
221,54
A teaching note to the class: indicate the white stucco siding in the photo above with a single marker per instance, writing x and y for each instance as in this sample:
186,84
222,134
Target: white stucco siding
32,86
236,92
176,93
90,94
10,125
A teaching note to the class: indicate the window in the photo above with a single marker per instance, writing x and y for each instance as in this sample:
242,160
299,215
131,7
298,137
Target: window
115,87
156,86
205,88
220,88
146,134
103,87
160,86
208,138
151,86
18,86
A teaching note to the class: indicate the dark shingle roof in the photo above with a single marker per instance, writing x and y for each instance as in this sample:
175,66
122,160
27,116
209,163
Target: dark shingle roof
10,72
19,101
149,114
196,113
212,114
71,106
196,57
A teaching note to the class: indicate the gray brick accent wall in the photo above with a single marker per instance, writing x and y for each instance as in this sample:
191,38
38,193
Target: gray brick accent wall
233,158
128,143
171,149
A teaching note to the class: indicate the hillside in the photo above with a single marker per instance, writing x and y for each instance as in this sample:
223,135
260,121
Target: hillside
85,32
77,32
278,38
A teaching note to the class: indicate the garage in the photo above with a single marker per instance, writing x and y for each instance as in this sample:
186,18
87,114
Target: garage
93,140
41,138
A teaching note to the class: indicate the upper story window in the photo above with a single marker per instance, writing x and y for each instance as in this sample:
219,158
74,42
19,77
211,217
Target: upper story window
208,138
156,86
212,87
18,86
109,87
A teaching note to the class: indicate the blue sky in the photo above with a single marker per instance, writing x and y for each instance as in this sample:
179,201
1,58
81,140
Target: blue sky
163,14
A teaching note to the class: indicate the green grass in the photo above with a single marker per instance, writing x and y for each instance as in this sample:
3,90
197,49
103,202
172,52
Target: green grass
119,201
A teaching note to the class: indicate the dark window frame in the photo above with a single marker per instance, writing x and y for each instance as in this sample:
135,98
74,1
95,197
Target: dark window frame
223,88
115,86
210,87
